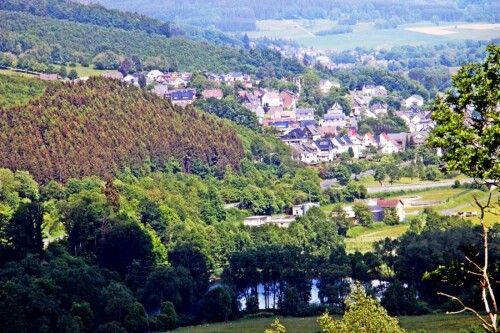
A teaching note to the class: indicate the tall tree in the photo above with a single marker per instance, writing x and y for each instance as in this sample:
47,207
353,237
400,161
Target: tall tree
364,315
468,127
24,230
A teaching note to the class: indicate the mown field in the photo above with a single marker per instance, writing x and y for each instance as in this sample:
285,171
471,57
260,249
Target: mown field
440,323
361,238
364,33
82,71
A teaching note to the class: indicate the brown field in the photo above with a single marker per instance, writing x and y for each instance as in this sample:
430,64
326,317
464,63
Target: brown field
453,29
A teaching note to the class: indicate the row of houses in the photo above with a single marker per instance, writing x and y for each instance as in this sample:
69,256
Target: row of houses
378,208
311,147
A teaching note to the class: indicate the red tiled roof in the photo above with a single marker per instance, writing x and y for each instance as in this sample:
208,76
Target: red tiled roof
388,203
213,93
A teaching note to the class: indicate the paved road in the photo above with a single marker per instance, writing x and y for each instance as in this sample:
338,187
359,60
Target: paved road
390,188
329,182
469,206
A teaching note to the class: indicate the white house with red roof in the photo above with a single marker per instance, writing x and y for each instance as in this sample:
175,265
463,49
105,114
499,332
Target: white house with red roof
369,140
288,99
395,204
271,98
386,144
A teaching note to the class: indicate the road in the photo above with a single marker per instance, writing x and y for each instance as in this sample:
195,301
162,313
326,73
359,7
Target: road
469,206
409,187
329,182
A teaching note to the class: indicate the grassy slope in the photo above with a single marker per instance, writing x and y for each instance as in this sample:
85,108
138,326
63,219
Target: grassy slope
362,238
18,90
432,323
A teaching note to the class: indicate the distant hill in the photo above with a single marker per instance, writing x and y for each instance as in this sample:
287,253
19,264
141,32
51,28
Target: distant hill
87,13
241,15
101,126
38,41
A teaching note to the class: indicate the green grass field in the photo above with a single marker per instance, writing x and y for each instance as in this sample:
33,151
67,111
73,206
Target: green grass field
439,323
82,71
362,238
14,73
364,33
86,71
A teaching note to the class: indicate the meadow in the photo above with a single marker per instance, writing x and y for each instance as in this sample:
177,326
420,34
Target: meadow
437,323
365,34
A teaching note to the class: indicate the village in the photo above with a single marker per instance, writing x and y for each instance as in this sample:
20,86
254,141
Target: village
314,138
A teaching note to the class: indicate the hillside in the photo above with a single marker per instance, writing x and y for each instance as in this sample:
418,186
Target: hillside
87,13
36,42
241,15
92,128
17,90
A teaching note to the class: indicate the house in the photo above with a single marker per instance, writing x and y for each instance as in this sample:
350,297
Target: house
48,77
378,108
400,138
311,132
182,97
405,116
112,75
271,98
288,100
395,204
386,145
234,76
304,123
252,99
327,149
368,90
304,114
335,116
306,153
257,109
282,221
132,79
212,93
294,137
368,140
256,221
419,137
413,101
302,209
326,85
343,143
380,91
273,112
154,75
328,131
283,126
160,90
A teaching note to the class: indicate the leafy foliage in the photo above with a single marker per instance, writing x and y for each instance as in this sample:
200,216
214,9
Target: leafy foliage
88,13
468,120
17,90
364,315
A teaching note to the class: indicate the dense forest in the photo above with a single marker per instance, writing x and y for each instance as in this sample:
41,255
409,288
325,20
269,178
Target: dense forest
87,13
34,42
92,128
241,15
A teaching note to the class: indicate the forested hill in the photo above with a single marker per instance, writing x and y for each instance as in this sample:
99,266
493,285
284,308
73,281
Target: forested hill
87,13
35,42
100,126
241,15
